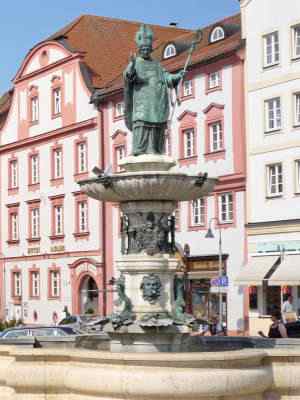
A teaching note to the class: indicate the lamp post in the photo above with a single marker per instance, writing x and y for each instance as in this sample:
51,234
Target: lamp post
210,235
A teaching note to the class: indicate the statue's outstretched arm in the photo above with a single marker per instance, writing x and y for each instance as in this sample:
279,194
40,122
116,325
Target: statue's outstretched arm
173,79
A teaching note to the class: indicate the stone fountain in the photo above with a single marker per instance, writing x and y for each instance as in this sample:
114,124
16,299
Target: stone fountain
149,311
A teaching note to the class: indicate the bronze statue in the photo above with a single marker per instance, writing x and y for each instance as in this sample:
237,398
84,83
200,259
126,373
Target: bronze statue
147,97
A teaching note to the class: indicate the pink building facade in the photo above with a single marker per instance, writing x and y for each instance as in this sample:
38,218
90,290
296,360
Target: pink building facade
58,246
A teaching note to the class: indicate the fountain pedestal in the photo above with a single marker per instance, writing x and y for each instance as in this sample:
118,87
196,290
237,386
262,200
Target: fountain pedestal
149,309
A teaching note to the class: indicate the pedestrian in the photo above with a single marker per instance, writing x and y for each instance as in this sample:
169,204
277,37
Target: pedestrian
288,312
277,329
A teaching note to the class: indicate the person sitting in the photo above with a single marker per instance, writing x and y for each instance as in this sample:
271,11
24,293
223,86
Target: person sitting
277,329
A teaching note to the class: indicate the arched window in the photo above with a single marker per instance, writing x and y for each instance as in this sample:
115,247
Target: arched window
170,51
217,34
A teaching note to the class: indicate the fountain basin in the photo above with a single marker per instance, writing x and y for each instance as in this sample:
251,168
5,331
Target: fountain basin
148,186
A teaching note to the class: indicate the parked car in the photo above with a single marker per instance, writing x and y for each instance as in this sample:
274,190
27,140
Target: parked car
84,322
47,331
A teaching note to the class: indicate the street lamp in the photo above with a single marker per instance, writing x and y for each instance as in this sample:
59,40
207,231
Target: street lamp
210,235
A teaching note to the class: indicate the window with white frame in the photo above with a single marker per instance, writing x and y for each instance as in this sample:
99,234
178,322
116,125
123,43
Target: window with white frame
119,109
216,136
34,103
226,208
170,51
14,226
35,222
198,212
14,174
35,284
188,143
217,34
120,154
82,157
271,49
273,114
274,180
296,41
17,284
297,109
57,101
55,283
83,216
214,80
58,220
35,175
57,163
297,175
187,88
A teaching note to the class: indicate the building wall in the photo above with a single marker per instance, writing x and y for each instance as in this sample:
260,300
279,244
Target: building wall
74,255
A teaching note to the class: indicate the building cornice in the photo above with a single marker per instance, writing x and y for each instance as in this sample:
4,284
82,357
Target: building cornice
43,137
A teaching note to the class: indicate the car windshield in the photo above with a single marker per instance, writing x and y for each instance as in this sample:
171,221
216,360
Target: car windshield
15,333
47,332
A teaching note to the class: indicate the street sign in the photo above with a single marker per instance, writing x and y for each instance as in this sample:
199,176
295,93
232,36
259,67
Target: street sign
221,281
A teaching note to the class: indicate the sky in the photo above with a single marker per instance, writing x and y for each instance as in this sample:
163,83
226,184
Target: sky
25,23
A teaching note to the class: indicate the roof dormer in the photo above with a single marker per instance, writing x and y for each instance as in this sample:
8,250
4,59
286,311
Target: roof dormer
217,34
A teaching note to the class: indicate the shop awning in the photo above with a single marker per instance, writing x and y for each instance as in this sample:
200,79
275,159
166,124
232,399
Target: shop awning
287,273
255,271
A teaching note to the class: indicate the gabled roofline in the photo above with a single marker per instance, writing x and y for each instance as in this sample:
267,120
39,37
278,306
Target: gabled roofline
32,51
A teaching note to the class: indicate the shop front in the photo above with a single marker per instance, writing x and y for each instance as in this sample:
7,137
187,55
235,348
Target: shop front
202,296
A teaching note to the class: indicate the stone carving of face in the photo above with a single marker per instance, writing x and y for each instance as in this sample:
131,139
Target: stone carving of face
151,286
145,51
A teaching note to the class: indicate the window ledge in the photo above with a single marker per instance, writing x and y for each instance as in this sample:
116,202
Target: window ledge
53,297
31,297
271,66
57,237
57,181
213,155
187,97
197,227
119,117
274,196
33,123
188,160
13,242
214,89
37,239
296,126
80,235
273,131
34,186
81,175
295,58
58,115
13,191
17,300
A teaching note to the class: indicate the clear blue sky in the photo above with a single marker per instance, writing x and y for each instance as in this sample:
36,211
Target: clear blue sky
24,23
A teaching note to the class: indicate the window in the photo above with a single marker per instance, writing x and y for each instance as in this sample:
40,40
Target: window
273,114
83,216
35,222
58,220
120,154
57,163
35,283
82,157
274,180
34,169
13,166
297,109
188,143
216,136
226,208
296,41
57,101
34,104
14,226
217,34
271,49
54,283
198,212
119,109
297,170
214,80
17,284
187,88
170,51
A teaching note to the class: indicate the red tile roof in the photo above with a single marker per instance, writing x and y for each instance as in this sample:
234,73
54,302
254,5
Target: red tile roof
106,44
